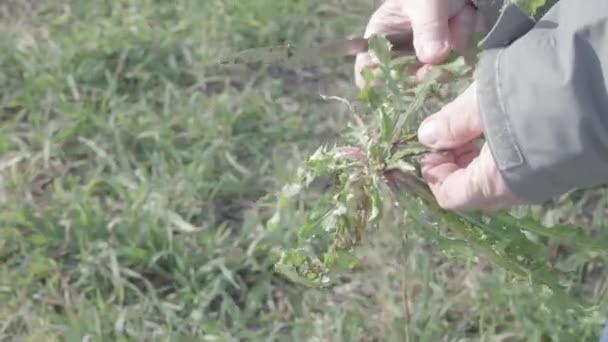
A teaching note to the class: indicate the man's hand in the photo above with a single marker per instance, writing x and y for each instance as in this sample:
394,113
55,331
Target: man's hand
464,177
438,26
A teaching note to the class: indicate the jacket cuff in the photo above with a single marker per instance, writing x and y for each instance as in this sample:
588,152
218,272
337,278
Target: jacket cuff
521,179
543,103
490,10
511,24
493,12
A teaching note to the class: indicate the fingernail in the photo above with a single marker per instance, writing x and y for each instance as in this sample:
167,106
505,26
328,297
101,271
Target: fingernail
434,48
427,132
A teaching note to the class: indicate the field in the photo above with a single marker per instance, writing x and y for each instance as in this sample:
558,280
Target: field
136,183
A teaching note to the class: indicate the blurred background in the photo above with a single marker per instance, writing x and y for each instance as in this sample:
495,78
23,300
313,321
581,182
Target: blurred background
135,183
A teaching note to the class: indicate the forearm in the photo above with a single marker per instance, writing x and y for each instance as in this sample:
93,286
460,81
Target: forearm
543,100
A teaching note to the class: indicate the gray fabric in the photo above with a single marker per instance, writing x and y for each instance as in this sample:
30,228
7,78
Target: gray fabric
497,128
491,9
511,24
544,102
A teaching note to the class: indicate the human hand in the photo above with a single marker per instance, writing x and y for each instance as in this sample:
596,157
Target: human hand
438,26
464,177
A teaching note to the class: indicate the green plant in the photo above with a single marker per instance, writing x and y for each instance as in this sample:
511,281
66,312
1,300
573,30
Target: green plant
376,173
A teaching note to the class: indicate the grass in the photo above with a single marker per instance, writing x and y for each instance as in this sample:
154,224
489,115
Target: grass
136,183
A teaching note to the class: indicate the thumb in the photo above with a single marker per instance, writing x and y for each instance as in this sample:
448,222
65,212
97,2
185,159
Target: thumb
479,185
455,124
430,23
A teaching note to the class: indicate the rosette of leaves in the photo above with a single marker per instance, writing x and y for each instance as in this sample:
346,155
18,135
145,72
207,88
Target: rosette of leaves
377,167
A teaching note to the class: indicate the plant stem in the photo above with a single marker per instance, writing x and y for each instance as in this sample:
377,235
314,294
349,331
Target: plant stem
562,234
464,226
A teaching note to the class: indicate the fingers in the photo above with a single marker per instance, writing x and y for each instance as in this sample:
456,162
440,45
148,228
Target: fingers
455,124
430,23
463,178
462,26
476,186
438,27
437,166
387,19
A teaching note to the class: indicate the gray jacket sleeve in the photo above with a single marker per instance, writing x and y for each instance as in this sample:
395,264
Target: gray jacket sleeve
543,98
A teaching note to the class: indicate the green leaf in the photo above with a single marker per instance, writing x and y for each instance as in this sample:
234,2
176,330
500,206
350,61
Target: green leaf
508,239
377,202
412,107
430,232
288,192
568,234
341,261
322,162
291,273
38,240
412,149
296,257
302,268
366,91
313,228
381,48
401,165
133,254
386,125
530,7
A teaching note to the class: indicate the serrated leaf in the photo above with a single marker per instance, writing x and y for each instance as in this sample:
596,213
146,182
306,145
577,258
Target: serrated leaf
302,268
568,234
431,233
386,125
412,149
291,273
380,47
321,162
412,107
341,261
508,239
294,257
401,165
313,227
367,92
373,98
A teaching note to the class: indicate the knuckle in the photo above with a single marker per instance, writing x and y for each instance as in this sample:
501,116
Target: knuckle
431,28
467,16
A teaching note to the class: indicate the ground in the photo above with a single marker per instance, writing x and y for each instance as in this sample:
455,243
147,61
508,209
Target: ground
136,182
